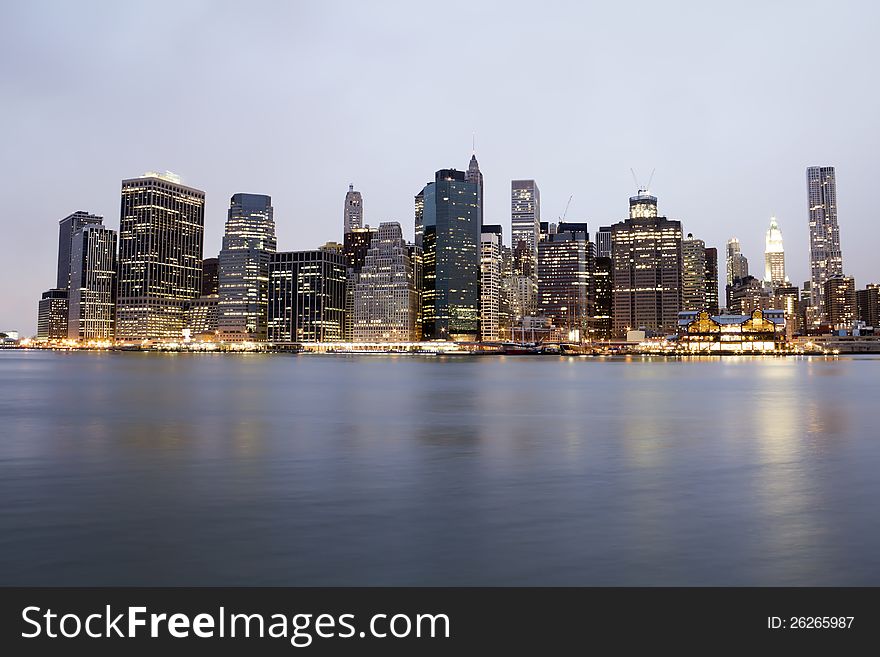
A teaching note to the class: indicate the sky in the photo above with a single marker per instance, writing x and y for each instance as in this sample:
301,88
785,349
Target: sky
727,103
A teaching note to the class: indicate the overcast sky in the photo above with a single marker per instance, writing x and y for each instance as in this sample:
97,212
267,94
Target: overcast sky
729,102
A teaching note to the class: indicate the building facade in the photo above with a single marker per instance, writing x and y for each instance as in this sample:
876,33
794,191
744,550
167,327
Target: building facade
525,233
603,296
840,302
160,256
451,258
693,274
491,282
386,289
711,277
66,229
306,296
647,263
248,244
565,264
826,259
603,242
210,276
91,305
52,315
868,305
201,318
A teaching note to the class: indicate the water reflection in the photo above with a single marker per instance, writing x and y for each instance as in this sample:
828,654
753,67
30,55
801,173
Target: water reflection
176,469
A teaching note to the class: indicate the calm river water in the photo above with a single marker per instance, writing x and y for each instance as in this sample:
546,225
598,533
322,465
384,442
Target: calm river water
177,469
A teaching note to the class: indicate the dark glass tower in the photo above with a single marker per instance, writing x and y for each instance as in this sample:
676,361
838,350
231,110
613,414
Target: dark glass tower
248,244
92,296
66,228
451,269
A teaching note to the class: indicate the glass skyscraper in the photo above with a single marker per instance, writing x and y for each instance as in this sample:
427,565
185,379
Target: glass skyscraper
92,295
451,267
243,289
161,233
306,296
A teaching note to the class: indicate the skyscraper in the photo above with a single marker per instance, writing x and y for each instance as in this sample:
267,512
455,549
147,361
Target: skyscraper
565,264
66,228
647,262
826,260
306,296
712,280
210,276
92,295
386,289
525,217
248,242
737,264
868,306
475,176
353,216
774,256
52,315
693,274
491,282
840,302
451,264
160,256
603,299
603,242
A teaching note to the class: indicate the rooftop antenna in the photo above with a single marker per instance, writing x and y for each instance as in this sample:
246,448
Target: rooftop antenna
473,143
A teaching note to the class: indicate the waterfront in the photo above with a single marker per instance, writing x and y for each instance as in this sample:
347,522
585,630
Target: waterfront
188,469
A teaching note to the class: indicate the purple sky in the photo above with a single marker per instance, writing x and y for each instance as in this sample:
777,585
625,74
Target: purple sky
729,102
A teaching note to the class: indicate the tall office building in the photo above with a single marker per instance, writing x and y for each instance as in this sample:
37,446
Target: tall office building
355,246
66,229
712,280
525,218
565,264
868,306
306,296
603,299
491,282
353,216
826,260
603,242
248,243
737,263
91,311
52,315
160,256
210,276
774,256
840,302
386,289
451,258
693,274
420,218
647,261
748,294
475,176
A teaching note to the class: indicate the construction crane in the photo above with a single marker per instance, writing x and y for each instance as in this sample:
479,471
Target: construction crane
564,214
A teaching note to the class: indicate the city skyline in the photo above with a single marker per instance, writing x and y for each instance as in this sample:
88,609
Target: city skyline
576,138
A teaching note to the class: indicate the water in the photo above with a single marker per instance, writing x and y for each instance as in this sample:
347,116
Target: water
176,469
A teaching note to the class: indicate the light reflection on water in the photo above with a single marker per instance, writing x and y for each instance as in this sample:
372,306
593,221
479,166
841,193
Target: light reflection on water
254,469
